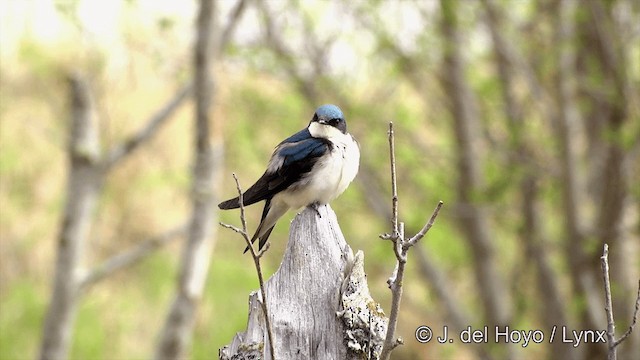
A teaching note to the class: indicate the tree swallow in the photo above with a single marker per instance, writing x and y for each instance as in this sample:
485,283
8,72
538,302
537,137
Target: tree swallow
310,168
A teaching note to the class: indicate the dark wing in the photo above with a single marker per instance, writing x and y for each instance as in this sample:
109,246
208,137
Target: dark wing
291,160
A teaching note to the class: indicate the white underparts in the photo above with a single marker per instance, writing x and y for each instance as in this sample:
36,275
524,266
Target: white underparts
330,176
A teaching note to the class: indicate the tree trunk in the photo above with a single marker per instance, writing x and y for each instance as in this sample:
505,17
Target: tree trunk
473,222
178,328
552,312
611,103
83,186
584,283
318,300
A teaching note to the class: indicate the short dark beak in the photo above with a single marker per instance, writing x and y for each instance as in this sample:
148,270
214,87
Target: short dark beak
323,121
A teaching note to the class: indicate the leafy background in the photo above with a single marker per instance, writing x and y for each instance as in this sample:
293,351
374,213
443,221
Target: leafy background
136,54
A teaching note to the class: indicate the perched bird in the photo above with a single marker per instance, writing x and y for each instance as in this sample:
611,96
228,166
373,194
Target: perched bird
310,168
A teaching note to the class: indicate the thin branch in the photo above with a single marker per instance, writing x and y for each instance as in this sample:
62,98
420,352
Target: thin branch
130,257
390,341
633,321
431,276
395,281
242,213
155,122
256,260
264,250
400,248
611,327
231,227
394,186
426,227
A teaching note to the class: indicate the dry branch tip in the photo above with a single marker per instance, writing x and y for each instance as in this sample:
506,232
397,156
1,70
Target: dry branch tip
256,260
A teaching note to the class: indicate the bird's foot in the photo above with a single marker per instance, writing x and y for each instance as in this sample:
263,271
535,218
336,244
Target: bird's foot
316,206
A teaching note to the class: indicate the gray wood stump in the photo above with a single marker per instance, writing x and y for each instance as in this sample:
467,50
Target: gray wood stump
318,300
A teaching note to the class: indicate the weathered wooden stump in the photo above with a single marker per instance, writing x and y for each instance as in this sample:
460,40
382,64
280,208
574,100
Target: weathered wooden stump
318,300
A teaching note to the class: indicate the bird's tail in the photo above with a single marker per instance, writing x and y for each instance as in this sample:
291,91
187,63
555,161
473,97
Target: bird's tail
230,204
250,197
260,233
270,214
263,238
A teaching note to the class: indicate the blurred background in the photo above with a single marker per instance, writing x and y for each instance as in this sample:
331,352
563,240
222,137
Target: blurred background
523,116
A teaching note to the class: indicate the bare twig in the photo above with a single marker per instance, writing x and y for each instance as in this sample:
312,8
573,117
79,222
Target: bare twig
127,147
256,260
611,327
634,320
432,276
410,242
394,186
130,257
264,249
401,247
231,227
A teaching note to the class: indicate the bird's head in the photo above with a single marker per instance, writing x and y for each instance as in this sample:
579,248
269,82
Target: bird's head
327,121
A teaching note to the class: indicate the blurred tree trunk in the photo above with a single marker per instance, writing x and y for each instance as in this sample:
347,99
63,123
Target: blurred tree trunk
473,222
436,280
552,311
178,328
87,172
606,109
83,185
566,122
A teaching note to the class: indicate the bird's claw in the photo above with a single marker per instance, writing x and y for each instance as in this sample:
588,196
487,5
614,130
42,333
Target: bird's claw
315,206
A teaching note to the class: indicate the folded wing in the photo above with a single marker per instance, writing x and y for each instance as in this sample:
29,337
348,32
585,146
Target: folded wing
291,160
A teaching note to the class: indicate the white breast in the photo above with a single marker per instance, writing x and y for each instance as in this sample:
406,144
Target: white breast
330,176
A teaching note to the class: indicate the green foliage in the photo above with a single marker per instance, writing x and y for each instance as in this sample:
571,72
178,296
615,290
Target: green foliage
36,57
233,277
153,276
21,315
91,340
137,67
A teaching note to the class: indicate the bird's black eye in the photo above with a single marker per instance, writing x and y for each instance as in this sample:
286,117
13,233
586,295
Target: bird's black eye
334,121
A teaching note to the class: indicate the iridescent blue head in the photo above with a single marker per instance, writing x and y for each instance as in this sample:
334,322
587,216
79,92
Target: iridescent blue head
330,115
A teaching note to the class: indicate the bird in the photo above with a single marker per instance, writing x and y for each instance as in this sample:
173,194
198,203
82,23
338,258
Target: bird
308,169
